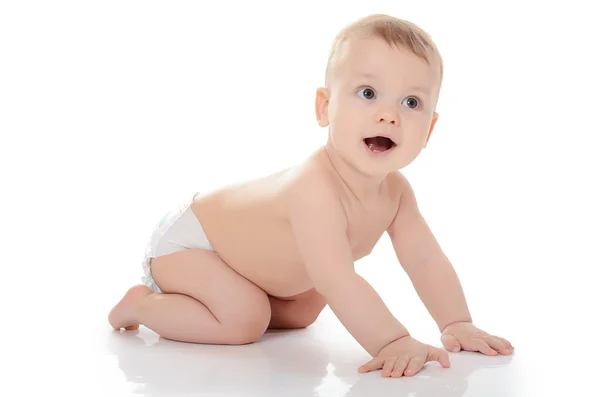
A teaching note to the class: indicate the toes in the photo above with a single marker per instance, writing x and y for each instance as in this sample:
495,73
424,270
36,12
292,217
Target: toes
132,328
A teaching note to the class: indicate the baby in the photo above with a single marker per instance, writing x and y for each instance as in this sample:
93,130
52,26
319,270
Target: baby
272,252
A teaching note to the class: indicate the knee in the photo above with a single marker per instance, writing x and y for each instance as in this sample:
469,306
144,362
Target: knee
309,311
251,324
305,319
246,336
302,318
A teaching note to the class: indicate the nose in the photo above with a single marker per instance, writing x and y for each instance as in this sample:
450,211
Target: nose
388,115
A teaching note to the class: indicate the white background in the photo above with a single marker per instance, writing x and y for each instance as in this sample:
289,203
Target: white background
111,112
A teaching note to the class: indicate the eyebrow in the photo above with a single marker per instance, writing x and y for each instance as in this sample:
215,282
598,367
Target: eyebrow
412,88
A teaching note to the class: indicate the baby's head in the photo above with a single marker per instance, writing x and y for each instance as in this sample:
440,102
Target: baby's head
381,89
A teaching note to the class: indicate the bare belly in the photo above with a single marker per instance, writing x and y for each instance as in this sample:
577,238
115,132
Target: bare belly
255,243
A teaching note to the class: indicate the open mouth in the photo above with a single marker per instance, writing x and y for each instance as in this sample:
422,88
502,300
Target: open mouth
379,144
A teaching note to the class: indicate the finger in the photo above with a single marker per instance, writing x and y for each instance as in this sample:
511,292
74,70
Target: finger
388,366
496,344
506,343
439,355
414,365
372,365
451,343
400,367
478,345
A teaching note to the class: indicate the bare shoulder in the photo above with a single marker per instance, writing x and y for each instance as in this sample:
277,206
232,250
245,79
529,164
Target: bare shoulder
311,192
404,198
400,188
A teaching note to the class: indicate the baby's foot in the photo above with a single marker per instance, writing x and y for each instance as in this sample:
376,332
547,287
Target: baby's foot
122,315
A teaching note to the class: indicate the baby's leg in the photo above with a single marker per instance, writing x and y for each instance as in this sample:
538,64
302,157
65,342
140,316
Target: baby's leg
203,301
299,311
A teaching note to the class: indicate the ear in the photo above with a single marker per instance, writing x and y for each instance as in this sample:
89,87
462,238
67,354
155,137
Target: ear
434,120
321,105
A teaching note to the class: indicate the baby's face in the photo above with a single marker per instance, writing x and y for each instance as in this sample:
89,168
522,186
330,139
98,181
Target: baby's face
379,105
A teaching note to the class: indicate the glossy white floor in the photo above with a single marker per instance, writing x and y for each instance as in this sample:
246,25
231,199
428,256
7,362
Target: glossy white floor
320,361
59,339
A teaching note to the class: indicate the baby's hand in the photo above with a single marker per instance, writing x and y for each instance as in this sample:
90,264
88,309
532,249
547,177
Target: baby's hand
466,336
405,356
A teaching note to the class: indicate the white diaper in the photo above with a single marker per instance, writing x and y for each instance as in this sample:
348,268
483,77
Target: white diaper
176,231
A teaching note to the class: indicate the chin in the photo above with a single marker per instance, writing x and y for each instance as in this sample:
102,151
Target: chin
376,169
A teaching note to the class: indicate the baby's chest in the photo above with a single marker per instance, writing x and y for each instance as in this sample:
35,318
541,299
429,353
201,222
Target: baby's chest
365,231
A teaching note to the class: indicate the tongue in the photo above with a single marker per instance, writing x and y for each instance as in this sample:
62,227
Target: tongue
377,143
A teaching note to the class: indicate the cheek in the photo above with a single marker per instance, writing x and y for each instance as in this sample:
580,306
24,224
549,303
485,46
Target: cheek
419,124
342,115
350,114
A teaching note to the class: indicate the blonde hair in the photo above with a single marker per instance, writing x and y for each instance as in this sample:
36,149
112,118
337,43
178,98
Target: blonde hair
396,32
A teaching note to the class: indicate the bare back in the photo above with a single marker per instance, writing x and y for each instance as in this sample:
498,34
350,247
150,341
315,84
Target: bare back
248,224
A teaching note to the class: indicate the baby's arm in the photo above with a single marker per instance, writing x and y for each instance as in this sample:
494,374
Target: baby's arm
425,263
319,224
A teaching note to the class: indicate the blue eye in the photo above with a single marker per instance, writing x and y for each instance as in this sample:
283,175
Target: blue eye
414,101
367,93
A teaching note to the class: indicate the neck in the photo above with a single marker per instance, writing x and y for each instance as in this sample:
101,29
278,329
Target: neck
361,185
